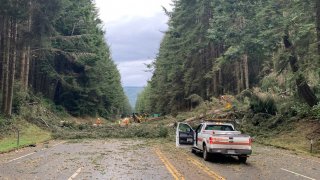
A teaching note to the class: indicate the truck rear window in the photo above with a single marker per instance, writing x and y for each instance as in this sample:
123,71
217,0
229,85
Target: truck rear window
219,127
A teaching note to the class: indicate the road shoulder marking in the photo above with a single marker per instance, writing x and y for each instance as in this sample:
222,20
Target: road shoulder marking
174,172
20,157
75,174
32,153
297,174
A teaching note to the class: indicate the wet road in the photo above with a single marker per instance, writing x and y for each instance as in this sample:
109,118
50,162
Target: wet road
148,159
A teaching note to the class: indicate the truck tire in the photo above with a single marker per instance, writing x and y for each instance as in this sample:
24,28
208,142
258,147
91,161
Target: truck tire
242,159
206,155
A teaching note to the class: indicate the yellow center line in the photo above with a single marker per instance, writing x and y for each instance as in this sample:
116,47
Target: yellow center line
202,166
206,169
176,175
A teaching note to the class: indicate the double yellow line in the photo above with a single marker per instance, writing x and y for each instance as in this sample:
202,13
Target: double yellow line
200,165
174,172
206,169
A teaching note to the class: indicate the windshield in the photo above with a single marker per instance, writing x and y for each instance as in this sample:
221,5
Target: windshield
219,127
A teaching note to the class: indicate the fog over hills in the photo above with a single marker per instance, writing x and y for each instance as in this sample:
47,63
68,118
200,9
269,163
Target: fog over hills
132,93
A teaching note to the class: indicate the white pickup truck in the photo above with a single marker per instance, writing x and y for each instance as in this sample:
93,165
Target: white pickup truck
215,138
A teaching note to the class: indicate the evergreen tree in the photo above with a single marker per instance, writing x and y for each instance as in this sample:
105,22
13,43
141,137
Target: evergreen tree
58,49
216,47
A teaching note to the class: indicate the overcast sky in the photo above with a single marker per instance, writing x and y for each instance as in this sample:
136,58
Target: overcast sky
133,30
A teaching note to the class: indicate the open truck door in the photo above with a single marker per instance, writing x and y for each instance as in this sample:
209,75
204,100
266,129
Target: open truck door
184,134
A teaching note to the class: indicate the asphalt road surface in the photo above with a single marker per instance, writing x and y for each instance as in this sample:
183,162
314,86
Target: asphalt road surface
148,159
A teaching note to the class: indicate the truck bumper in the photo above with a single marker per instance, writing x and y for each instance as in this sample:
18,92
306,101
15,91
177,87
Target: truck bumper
231,151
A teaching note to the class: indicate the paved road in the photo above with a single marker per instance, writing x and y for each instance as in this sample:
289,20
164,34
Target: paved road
148,159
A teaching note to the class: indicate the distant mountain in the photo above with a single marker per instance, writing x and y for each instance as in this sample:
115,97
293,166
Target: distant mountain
132,93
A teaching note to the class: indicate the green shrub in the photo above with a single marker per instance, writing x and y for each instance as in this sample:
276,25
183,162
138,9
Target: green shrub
163,132
285,107
263,105
83,126
302,110
19,98
315,111
2,122
268,82
72,125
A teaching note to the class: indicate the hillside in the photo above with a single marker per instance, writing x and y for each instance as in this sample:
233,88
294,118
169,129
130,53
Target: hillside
58,51
215,48
258,58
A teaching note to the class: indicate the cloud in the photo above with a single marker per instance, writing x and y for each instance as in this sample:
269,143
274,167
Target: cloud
138,38
133,73
114,10
133,31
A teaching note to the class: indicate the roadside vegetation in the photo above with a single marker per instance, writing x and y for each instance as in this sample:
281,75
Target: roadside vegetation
113,130
255,62
35,123
263,54
29,135
43,121
293,126
54,62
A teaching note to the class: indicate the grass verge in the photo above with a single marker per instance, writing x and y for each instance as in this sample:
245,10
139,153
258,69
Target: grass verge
286,133
29,134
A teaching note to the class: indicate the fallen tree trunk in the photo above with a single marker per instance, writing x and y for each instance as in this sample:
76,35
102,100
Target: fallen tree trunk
214,115
304,89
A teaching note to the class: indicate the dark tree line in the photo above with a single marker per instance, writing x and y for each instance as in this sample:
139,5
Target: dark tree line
57,48
216,47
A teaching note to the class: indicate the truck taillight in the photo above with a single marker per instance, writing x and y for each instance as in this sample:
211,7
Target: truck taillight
211,140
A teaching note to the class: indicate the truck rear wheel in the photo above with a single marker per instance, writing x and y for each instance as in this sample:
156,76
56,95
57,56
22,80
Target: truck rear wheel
206,155
242,159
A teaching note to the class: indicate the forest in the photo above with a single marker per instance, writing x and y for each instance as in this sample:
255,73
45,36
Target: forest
253,61
267,50
56,50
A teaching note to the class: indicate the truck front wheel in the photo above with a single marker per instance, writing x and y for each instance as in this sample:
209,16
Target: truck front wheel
206,155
